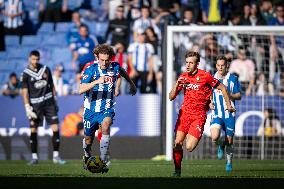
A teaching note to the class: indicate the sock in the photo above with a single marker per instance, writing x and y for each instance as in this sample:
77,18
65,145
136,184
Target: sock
229,153
34,156
87,149
55,141
177,156
55,154
33,142
104,147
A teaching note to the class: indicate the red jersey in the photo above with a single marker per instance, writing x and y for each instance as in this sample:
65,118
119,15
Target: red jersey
197,90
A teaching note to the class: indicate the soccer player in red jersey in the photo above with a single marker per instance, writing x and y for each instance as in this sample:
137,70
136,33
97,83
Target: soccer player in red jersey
197,86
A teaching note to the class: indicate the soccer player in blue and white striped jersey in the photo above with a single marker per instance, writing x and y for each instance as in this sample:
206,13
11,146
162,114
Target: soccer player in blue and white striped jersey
99,85
221,118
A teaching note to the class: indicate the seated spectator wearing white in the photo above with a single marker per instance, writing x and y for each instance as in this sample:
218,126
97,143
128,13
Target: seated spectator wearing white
118,29
73,32
61,85
263,87
245,69
140,58
13,87
271,124
52,10
83,49
144,22
13,17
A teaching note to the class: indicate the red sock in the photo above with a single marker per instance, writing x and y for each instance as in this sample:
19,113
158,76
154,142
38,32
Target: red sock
99,135
177,156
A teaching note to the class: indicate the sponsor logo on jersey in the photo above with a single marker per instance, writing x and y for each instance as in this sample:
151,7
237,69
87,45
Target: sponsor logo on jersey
192,86
85,76
40,84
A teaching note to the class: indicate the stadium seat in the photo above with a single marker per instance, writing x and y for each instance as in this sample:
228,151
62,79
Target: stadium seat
63,26
12,40
31,40
18,64
63,56
74,4
3,55
21,52
46,27
56,39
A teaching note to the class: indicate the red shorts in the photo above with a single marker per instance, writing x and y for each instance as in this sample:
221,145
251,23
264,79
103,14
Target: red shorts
192,124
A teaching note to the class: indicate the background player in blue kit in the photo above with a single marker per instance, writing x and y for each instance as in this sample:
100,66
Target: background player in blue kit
99,83
221,118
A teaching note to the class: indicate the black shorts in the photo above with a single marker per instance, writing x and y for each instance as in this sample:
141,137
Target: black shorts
47,109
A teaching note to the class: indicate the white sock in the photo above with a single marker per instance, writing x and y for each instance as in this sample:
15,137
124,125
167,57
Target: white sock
55,154
34,156
104,147
86,148
229,153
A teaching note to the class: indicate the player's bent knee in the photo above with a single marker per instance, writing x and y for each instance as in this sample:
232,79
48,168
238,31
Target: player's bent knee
190,147
88,139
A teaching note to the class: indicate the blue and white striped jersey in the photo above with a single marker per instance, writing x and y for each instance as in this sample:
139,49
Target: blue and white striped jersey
13,7
233,86
101,97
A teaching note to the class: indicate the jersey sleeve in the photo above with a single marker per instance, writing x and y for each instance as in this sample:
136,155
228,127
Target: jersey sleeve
117,69
237,86
50,80
87,75
24,80
213,82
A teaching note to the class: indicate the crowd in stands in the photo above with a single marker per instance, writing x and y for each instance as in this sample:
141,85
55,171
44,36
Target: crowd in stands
66,32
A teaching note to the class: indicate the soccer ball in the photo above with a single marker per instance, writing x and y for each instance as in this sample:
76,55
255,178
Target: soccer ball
95,164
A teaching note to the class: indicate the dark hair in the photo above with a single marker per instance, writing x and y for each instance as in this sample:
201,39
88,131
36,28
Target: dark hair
84,26
191,54
221,57
272,113
13,74
34,53
104,49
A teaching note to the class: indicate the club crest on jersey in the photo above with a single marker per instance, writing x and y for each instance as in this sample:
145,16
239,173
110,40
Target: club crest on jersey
198,78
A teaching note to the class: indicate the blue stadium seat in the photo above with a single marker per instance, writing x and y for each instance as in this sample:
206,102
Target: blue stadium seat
63,26
56,39
62,55
73,4
18,64
34,40
21,52
3,55
46,27
12,40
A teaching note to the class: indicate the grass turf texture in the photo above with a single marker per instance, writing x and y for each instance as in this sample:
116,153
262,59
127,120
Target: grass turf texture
148,169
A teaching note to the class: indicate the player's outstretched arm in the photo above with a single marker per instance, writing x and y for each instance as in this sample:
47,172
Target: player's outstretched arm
223,88
236,96
84,87
133,88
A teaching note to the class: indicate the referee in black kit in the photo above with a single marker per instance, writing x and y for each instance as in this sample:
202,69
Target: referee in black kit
39,99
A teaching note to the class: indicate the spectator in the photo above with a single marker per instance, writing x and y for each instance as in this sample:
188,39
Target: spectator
255,18
73,32
121,58
72,124
83,49
271,125
13,17
52,10
266,10
192,5
2,33
211,11
118,30
133,10
12,87
262,87
245,69
144,22
61,85
187,18
140,57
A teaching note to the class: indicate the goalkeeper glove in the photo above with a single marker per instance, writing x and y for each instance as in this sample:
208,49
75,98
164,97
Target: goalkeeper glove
29,112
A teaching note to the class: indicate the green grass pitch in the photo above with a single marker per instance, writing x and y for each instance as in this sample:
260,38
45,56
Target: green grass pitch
148,169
